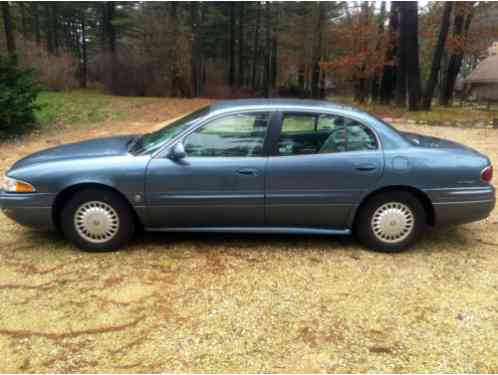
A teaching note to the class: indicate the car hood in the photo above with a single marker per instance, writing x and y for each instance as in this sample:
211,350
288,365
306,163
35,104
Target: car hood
433,142
100,147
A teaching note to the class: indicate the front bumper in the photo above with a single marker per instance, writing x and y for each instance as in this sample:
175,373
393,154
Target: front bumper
462,205
28,209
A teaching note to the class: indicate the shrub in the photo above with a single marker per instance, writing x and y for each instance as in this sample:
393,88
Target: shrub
18,92
54,73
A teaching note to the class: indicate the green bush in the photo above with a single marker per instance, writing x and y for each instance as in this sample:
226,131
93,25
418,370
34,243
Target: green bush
18,92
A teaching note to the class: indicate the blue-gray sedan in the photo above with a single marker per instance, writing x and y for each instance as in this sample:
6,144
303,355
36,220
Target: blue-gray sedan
278,166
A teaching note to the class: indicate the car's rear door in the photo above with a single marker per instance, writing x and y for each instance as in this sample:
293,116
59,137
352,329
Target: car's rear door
220,183
319,167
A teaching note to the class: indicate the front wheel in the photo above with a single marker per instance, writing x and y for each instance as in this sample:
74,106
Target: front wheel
97,220
390,221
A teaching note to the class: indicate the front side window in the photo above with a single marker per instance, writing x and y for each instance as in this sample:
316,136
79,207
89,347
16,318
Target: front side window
239,135
315,133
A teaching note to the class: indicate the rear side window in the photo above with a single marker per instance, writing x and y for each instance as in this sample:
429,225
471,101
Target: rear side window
303,134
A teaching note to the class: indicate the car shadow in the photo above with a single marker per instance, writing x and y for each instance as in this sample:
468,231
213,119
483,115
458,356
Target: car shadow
268,242
432,240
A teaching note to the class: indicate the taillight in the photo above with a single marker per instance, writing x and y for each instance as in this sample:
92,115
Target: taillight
487,174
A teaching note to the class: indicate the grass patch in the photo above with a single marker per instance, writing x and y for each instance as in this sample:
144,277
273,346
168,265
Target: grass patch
75,107
438,114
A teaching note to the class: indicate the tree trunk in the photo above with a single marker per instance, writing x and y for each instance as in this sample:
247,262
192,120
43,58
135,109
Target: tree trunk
110,42
54,24
438,54
196,50
48,28
361,88
274,47
460,29
103,26
84,59
267,78
402,55
240,80
388,82
317,53
9,29
36,22
380,38
413,83
175,84
255,46
24,21
231,74
305,10
301,81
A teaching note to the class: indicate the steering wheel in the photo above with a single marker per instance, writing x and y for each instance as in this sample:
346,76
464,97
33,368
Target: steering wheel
334,141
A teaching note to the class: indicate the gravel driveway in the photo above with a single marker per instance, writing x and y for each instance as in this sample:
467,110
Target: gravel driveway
230,303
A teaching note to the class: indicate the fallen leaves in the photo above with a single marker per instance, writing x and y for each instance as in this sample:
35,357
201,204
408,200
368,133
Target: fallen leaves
231,303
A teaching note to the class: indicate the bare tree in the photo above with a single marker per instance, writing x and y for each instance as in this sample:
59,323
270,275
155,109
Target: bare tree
9,28
197,63
375,86
36,22
256,45
240,80
267,83
401,52
463,17
438,54
413,83
231,74
388,81
84,57
317,51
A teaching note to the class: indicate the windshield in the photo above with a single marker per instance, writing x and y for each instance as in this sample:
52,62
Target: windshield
151,142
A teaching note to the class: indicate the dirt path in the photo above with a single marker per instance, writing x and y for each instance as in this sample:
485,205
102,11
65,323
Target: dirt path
248,303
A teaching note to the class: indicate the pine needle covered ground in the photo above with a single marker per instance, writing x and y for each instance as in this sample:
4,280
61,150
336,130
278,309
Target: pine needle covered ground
230,303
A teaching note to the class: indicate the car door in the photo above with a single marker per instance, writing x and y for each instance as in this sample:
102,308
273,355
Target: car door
320,166
220,182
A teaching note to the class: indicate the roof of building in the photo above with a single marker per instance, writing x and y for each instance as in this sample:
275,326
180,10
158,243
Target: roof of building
487,70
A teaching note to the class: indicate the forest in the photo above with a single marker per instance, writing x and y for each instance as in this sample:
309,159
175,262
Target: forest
407,54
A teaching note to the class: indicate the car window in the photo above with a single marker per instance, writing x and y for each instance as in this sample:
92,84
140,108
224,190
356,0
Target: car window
151,142
298,124
239,135
360,137
311,134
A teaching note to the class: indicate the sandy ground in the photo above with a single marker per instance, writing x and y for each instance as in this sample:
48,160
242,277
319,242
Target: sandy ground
247,303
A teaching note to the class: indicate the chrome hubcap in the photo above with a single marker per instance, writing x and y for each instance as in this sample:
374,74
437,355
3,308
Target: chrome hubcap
393,222
96,222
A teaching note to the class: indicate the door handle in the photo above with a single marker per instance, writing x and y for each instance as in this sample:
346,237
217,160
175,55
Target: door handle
247,171
367,167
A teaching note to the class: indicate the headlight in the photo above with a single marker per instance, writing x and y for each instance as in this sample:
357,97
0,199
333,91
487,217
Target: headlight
12,185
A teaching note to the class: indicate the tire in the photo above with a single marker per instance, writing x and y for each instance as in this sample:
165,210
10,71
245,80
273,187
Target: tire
390,222
97,220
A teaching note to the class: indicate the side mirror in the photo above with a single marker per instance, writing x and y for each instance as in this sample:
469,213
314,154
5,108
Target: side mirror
177,152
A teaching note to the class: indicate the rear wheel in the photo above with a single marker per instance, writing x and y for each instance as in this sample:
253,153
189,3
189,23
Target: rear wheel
97,220
390,221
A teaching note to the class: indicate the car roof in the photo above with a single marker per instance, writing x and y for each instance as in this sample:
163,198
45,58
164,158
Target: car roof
243,104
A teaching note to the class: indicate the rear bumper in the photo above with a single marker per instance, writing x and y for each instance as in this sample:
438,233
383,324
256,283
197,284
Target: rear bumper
462,205
32,210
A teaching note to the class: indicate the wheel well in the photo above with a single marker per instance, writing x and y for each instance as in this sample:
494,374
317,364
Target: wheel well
420,195
68,192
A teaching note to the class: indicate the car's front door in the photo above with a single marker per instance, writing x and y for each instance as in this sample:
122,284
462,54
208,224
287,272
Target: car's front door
319,167
220,182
